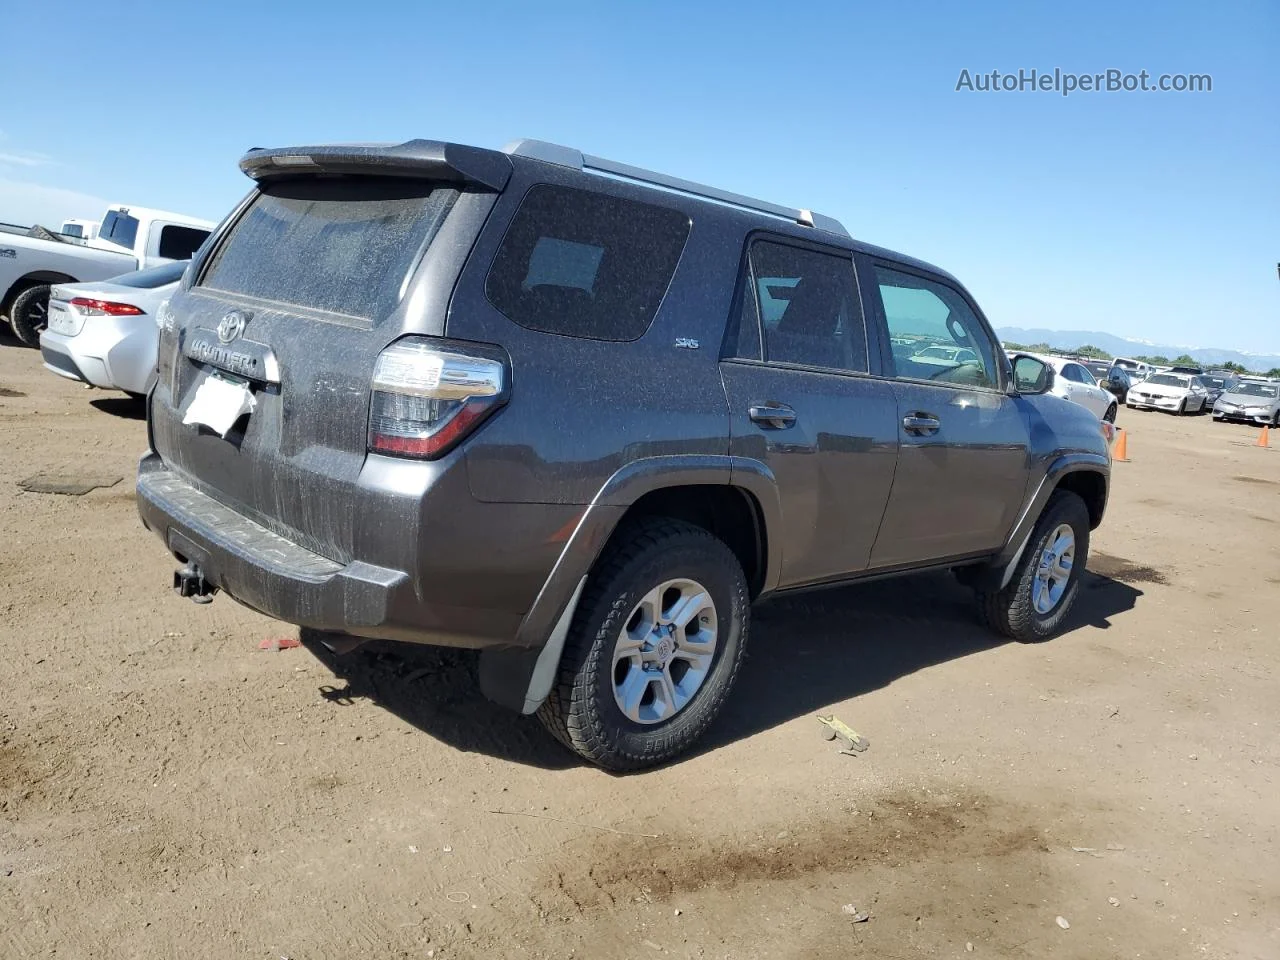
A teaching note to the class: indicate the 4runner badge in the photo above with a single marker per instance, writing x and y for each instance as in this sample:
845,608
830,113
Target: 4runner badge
687,343
232,325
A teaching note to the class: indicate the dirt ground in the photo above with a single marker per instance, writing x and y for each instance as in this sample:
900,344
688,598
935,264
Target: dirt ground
169,790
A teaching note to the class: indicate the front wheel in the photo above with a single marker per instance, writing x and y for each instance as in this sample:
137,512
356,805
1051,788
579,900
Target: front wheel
654,647
1046,580
1182,409
29,314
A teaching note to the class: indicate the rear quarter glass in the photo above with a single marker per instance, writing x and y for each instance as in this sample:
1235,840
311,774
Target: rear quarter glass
582,264
340,246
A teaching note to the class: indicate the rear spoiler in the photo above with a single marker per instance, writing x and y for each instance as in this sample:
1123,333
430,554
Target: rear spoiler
414,158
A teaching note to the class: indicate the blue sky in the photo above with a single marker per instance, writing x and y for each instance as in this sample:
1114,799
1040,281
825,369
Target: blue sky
1153,215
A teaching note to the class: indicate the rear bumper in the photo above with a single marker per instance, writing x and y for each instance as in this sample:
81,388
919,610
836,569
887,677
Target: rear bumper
114,353
285,580
59,362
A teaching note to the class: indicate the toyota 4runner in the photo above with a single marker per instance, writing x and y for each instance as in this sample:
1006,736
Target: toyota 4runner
581,416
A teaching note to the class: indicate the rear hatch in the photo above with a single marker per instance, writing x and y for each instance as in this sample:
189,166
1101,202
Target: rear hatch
298,295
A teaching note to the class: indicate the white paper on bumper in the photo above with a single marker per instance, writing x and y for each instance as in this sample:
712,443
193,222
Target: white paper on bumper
218,403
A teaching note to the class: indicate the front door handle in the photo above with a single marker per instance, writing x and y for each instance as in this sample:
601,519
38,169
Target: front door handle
772,416
921,424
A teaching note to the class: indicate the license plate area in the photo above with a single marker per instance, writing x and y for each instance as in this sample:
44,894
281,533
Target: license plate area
218,401
60,319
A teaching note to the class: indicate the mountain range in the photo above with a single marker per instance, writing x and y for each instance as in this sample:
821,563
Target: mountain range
1124,347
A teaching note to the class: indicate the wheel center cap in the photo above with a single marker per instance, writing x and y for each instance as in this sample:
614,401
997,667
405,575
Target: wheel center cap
666,646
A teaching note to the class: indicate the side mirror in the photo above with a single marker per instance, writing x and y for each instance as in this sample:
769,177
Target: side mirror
1031,376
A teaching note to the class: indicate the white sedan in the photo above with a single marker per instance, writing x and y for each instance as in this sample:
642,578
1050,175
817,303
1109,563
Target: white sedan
105,333
1073,381
1174,392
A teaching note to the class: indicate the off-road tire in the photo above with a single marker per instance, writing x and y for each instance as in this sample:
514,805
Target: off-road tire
29,314
1010,611
581,711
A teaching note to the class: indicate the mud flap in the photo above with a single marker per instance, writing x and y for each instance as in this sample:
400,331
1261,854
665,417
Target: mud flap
520,678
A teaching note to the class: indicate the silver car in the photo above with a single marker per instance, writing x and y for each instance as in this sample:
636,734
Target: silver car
1251,401
105,333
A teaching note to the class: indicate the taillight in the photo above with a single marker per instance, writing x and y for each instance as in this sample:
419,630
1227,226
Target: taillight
429,394
105,308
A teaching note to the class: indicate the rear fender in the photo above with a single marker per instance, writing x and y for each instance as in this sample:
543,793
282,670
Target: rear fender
520,677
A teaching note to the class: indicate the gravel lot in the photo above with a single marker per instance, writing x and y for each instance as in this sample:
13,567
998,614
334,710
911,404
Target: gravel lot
169,790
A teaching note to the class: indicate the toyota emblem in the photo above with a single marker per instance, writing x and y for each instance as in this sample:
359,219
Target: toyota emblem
232,325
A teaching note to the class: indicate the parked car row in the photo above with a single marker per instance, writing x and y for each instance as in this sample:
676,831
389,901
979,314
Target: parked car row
1101,386
127,240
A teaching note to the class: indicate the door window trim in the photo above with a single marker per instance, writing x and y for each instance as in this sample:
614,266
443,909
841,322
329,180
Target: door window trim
877,304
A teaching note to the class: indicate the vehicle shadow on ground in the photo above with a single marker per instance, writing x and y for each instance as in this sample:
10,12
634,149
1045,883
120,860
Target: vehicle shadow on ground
126,408
806,652
824,648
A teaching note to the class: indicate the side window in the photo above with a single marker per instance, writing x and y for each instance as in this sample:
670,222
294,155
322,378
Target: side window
1084,375
179,243
1071,372
933,333
583,264
807,306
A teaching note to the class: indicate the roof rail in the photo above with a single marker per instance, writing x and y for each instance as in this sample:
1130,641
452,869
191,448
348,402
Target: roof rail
577,160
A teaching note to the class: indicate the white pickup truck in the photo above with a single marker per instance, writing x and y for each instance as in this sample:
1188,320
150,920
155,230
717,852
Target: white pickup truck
129,238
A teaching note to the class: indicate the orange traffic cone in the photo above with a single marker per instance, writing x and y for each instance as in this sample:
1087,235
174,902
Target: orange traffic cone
1121,452
1264,438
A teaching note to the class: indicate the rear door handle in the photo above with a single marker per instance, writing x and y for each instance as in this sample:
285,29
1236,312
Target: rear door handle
922,424
772,416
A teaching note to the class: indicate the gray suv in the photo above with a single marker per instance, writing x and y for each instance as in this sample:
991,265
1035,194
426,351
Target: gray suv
580,416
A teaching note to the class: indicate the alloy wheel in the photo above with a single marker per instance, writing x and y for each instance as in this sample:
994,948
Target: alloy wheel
1053,569
665,651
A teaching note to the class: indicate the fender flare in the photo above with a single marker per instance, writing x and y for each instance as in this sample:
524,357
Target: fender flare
520,676
998,574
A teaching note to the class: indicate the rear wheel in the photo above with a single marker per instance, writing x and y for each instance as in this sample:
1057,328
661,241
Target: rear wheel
1046,580
1110,415
29,314
654,648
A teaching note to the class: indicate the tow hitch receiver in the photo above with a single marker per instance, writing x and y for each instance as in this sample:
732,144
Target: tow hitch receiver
190,582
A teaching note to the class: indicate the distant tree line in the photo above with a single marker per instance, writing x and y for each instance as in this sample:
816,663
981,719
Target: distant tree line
1090,352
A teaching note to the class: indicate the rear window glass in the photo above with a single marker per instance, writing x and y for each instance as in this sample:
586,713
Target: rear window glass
581,264
179,243
154,277
339,246
119,228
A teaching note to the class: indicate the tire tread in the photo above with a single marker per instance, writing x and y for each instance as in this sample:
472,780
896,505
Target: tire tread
1008,611
570,711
